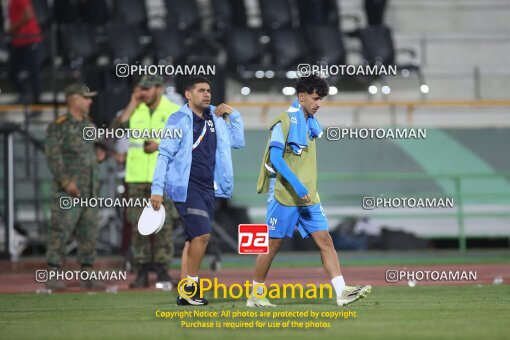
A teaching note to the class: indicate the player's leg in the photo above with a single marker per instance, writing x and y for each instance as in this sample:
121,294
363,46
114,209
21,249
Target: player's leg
328,253
196,214
345,294
262,265
312,221
281,221
193,259
196,253
202,216
264,261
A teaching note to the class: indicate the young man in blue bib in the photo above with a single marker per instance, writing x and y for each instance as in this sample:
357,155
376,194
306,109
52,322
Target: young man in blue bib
289,175
195,169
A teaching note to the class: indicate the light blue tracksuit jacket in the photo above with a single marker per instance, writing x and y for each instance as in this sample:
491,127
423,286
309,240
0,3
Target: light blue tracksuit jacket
174,159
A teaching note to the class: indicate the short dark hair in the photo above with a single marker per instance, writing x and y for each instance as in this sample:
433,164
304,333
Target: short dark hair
193,80
312,83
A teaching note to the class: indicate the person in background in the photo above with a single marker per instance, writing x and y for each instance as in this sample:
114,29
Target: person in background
148,109
26,39
73,161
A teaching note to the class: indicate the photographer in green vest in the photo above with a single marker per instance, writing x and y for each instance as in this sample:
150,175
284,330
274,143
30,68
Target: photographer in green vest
147,112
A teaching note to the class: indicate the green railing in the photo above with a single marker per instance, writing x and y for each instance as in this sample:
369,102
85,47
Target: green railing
457,183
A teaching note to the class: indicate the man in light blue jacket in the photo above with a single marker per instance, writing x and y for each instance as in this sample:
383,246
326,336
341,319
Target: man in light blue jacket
194,168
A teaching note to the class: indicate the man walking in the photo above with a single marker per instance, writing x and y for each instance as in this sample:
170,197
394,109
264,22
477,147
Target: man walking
289,175
195,169
25,47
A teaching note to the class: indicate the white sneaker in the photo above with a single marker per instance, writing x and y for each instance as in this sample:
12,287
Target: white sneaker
259,302
353,293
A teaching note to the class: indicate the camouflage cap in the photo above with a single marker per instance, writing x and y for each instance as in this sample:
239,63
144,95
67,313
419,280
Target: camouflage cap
80,89
150,81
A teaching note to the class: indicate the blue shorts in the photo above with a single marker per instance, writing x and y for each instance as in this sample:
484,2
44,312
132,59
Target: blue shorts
282,220
197,213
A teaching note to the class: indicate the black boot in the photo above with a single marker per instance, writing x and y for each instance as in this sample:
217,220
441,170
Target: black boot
162,276
188,298
142,277
161,272
90,283
53,283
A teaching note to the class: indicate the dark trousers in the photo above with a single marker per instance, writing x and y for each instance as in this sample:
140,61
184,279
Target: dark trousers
25,57
374,10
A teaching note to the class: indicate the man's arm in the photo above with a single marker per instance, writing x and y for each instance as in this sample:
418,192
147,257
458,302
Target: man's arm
234,124
167,150
236,129
276,157
117,124
276,148
122,121
53,152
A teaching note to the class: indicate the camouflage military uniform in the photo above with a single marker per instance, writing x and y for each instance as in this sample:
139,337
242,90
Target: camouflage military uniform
72,158
163,240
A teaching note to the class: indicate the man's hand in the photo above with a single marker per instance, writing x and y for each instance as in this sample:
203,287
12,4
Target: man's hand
306,199
222,109
301,191
136,99
156,201
72,189
150,146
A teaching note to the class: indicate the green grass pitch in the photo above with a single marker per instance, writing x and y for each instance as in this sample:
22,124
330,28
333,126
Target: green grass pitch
434,312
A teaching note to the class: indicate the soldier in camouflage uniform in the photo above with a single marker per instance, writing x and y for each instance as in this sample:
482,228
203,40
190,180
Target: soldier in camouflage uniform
73,162
148,109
